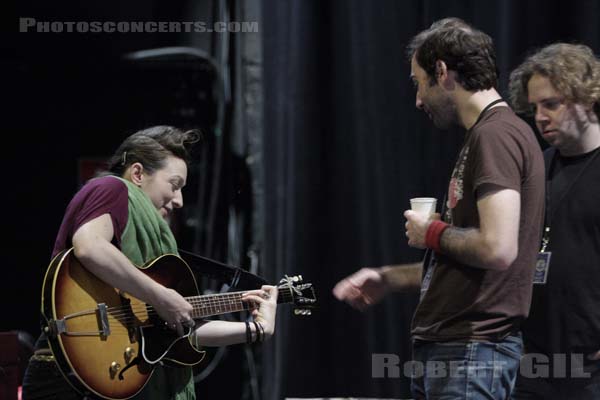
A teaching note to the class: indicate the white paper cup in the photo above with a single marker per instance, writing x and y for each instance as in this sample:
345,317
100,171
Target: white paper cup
423,205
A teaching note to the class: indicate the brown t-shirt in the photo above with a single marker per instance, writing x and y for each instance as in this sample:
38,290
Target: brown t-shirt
461,302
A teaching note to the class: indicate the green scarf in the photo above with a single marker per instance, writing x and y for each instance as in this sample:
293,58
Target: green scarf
145,237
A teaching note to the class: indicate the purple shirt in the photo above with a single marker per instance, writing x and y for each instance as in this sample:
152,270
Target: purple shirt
99,196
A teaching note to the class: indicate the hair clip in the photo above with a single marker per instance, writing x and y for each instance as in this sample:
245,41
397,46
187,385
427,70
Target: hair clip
124,158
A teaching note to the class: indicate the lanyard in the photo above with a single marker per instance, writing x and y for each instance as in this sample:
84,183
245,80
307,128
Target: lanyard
444,210
549,212
493,103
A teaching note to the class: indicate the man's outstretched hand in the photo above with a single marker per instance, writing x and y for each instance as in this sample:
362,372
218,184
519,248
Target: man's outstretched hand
361,289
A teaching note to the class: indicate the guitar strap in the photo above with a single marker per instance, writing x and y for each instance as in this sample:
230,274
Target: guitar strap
236,278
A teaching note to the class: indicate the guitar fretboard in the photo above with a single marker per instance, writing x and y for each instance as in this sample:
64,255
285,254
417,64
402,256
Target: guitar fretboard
223,303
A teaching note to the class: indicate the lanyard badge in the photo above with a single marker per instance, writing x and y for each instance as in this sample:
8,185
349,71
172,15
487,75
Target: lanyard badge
542,263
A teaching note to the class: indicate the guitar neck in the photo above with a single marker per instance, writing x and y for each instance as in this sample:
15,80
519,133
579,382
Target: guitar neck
223,303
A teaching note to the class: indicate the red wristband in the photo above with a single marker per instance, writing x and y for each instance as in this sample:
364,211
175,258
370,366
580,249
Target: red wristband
434,234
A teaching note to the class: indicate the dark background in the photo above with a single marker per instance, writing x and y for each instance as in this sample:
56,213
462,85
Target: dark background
337,147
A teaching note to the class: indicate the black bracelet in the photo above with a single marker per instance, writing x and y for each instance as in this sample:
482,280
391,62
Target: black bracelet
262,332
248,333
258,336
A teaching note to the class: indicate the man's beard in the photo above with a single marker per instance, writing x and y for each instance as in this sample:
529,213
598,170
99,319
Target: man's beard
444,114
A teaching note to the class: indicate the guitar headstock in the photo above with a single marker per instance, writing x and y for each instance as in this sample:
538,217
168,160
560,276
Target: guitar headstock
292,289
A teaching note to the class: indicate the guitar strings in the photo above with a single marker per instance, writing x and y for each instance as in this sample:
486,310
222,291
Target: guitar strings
202,308
213,305
204,302
217,299
128,318
208,305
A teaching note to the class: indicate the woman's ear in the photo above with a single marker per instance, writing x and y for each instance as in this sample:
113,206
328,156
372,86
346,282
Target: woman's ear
135,173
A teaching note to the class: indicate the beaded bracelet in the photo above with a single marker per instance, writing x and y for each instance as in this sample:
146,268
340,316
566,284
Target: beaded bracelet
262,332
258,333
248,333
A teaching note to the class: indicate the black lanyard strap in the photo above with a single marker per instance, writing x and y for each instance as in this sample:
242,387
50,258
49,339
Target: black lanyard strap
490,105
444,210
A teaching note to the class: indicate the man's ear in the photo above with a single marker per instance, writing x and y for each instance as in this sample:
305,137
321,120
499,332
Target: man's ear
136,173
591,112
589,107
441,72
596,109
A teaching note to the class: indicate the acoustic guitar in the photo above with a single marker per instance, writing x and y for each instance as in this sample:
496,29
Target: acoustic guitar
107,343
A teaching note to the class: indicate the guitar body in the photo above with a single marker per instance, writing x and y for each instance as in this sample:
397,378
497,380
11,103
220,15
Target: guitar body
110,351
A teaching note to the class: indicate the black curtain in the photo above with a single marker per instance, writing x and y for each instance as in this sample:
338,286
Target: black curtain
344,150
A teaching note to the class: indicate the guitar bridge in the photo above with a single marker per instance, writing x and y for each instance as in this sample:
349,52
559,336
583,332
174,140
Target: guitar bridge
59,326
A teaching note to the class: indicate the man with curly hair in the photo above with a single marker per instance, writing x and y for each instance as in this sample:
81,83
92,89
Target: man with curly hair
560,86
